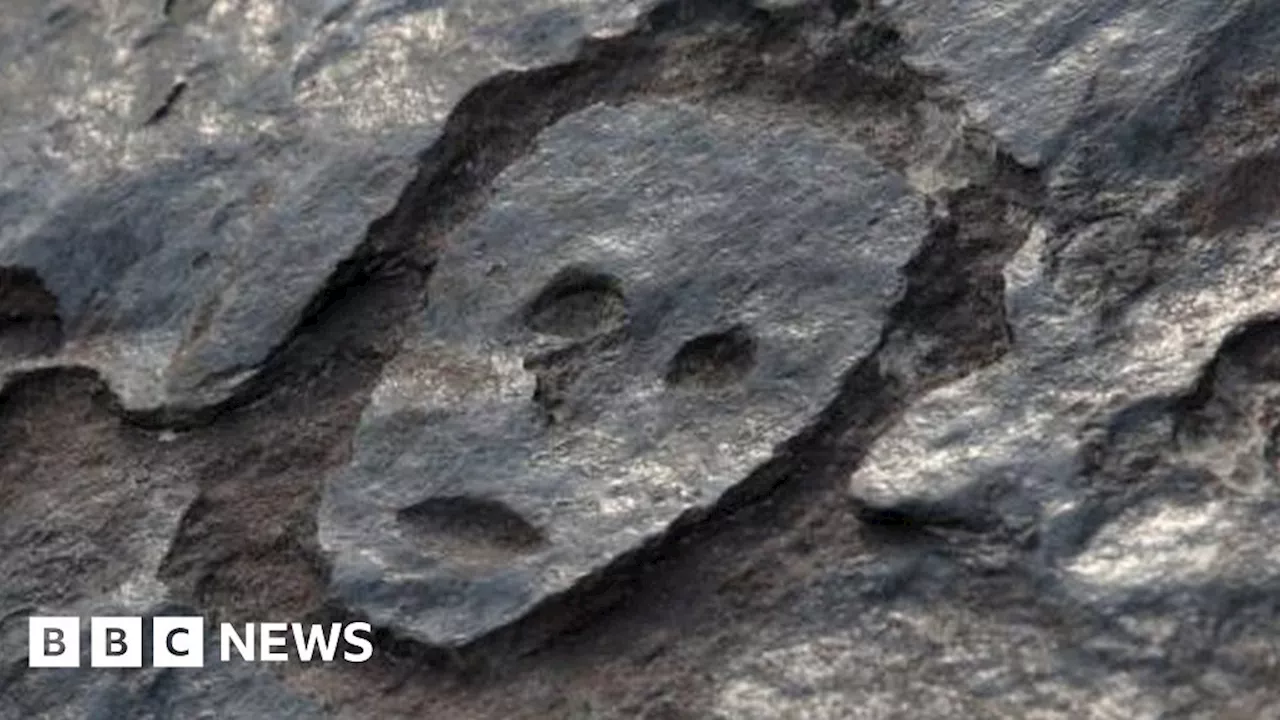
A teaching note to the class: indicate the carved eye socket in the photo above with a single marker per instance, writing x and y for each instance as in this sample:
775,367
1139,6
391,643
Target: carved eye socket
713,360
476,529
578,303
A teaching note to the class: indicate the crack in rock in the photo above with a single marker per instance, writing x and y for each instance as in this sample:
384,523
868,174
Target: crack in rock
29,320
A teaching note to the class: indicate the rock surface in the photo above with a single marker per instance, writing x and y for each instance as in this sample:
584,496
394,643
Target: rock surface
866,359
185,176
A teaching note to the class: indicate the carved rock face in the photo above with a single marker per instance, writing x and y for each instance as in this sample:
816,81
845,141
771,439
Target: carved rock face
648,306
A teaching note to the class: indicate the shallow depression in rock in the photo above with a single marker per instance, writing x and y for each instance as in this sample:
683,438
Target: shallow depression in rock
578,303
714,359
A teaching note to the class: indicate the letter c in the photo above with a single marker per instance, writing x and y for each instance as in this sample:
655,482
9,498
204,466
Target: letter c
168,642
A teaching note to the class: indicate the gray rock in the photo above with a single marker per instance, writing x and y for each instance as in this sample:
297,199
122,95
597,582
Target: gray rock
80,528
1114,312
1127,440
185,184
891,634
649,305
1044,76
1021,422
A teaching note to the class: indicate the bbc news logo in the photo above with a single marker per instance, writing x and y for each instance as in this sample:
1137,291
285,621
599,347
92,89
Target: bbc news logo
178,642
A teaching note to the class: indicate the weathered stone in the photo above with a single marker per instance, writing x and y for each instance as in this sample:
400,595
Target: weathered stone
650,304
80,529
897,634
1046,77
1127,439
184,184
1108,313
1020,423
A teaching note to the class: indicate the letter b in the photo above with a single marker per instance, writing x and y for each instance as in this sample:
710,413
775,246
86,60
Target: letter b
115,642
53,642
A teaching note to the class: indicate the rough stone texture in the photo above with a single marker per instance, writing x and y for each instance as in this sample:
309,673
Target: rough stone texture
183,177
1061,72
1024,464
1127,439
1117,318
650,303
909,635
